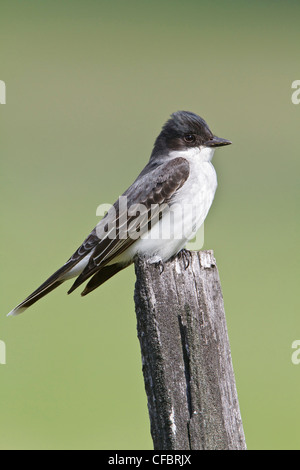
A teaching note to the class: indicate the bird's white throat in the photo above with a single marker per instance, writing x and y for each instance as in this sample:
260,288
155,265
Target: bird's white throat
202,153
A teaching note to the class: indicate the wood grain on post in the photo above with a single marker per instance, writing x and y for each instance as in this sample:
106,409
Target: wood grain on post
188,373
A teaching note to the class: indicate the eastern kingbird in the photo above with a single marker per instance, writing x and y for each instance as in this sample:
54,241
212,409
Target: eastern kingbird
179,174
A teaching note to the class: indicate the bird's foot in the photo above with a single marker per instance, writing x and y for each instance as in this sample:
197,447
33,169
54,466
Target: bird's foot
186,256
160,265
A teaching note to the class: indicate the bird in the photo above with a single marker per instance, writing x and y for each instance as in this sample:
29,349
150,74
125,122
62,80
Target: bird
165,206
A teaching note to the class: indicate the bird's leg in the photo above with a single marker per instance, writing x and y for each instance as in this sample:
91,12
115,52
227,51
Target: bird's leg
161,266
186,255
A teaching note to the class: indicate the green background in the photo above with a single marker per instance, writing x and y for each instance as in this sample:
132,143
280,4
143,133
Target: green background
89,85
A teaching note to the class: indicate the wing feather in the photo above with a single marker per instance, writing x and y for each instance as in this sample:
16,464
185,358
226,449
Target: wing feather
157,187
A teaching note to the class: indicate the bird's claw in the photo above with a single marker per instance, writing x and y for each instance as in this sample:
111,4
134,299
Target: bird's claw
186,255
161,266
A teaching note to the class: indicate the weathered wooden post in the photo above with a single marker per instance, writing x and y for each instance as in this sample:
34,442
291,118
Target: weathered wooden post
186,357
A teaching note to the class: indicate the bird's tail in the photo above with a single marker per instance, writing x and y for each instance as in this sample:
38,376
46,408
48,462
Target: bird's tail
34,297
51,283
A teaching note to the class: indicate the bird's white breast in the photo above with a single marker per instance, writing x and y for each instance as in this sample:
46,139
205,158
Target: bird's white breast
199,190
188,210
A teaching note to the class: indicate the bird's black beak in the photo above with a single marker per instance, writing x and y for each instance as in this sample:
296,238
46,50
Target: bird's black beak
217,142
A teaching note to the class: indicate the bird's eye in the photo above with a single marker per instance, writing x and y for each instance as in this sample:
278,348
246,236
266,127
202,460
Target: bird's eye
189,138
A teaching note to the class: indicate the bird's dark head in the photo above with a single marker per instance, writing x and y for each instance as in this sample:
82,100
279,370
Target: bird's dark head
183,131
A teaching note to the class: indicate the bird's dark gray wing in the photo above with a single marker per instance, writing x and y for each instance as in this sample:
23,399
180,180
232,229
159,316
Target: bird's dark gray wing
155,188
